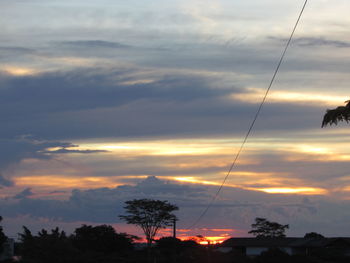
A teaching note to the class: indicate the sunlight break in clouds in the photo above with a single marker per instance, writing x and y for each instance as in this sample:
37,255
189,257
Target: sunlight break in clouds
205,162
19,71
297,190
60,182
254,95
164,147
279,190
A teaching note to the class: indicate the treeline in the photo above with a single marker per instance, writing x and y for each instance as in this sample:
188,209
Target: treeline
87,244
102,244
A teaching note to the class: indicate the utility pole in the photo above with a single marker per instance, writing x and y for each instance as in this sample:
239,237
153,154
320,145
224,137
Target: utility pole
174,257
174,228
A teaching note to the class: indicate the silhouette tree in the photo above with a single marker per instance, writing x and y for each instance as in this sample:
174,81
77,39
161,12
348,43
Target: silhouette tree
264,228
150,215
171,249
313,235
3,237
46,247
88,244
103,239
333,116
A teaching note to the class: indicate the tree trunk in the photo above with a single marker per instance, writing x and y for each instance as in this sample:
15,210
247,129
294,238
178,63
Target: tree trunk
149,250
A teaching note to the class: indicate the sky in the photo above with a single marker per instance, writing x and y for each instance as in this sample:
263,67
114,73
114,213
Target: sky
107,101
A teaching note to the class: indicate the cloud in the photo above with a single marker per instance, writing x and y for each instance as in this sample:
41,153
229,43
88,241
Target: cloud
24,194
94,88
98,205
63,100
9,51
235,208
58,192
64,150
313,41
316,41
94,44
5,182
93,103
13,151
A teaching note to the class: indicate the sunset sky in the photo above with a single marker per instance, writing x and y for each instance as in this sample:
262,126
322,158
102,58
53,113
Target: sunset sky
110,100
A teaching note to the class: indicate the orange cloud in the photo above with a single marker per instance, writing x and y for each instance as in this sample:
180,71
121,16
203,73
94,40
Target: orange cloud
294,190
254,95
270,190
19,71
59,182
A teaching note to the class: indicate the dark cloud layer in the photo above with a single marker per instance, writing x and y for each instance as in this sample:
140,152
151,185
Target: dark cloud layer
98,103
8,52
316,42
236,208
94,103
94,44
5,182
90,89
99,205
313,41
13,151
66,105
24,194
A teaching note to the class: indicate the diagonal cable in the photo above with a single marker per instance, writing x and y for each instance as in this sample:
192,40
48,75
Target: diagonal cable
254,119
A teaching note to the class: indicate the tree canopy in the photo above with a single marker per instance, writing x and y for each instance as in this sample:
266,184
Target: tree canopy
46,246
264,228
88,244
313,235
3,237
333,116
150,215
102,238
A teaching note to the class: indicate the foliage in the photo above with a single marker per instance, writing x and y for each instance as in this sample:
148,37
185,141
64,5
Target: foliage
3,237
313,235
91,244
166,243
333,116
88,244
273,255
102,239
175,250
150,215
46,247
264,228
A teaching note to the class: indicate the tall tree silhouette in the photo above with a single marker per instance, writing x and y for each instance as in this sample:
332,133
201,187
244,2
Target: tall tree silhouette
333,116
150,215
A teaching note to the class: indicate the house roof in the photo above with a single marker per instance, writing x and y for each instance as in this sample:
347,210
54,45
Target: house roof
284,242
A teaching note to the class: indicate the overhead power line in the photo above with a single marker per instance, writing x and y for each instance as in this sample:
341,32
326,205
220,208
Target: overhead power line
254,119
